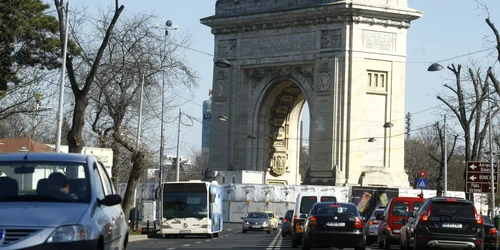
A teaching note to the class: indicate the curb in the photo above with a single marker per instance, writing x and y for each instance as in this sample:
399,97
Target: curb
132,238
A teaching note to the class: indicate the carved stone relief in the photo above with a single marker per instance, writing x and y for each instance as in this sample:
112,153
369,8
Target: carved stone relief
279,165
331,39
220,87
227,48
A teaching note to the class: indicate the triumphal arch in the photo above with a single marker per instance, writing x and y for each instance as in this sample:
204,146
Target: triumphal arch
346,59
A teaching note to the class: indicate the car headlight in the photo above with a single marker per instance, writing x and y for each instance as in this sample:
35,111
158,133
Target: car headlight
264,223
67,234
246,222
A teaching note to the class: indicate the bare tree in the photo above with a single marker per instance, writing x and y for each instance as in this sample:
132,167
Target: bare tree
81,89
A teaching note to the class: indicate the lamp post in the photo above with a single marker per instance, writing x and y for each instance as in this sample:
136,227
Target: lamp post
438,67
178,146
61,87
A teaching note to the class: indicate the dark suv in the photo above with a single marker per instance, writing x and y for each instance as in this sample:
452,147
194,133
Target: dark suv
445,222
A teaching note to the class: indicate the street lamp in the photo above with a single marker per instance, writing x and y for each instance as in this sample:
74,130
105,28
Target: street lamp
222,63
61,87
432,68
223,118
372,139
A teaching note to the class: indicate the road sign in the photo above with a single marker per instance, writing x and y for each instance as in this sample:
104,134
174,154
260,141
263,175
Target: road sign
478,177
480,188
422,173
422,183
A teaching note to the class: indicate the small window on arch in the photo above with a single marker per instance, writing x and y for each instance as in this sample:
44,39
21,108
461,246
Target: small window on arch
233,179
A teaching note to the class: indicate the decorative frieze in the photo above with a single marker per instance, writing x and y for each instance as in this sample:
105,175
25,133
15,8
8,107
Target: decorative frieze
227,48
278,45
331,39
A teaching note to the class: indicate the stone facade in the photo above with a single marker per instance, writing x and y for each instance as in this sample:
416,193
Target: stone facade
346,59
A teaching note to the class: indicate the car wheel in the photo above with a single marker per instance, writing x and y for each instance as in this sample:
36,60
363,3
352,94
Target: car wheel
295,243
380,244
401,245
387,243
306,245
244,231
360,248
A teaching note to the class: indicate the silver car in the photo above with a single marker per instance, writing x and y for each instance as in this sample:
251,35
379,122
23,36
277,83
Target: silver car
58,201
256,221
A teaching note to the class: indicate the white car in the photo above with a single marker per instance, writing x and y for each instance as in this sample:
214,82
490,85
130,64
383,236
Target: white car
59,201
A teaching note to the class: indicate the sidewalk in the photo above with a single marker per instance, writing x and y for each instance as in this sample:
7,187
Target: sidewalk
137,237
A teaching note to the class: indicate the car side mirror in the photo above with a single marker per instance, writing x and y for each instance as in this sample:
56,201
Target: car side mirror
110,200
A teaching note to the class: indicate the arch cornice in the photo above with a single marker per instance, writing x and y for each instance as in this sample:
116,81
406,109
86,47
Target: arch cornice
330,14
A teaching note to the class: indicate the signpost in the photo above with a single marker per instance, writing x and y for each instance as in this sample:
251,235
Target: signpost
422,182
479,177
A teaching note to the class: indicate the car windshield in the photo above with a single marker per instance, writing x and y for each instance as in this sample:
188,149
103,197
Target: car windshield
377,212
43,181
334,209
400,208
257,216
452,209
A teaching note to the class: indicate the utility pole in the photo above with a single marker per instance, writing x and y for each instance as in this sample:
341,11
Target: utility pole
178,145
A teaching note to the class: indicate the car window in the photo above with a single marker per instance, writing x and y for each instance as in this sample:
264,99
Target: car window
416,205
377,212
257,215
106,182
487,220
400,208
455,209
289,214
306,204
99,189
43,182
334,209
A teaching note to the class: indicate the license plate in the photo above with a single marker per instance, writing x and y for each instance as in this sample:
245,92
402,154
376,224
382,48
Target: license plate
335,224
452,225
396,231
185,231
256,226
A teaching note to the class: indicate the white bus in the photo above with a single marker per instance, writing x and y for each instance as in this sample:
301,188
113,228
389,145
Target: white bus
191,208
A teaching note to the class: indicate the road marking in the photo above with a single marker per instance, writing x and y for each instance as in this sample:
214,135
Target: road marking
186,245
207,240
275,240
226,235
172,248
198,242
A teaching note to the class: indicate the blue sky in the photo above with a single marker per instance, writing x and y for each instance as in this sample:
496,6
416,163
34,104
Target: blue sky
449,28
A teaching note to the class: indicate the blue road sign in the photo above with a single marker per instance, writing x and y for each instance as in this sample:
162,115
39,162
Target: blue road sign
422,183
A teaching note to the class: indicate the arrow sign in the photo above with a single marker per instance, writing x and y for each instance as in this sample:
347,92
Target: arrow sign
422,173
473,166
422,183
472,178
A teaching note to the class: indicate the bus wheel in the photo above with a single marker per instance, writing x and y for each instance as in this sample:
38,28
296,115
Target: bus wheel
216,235
210,236
244,231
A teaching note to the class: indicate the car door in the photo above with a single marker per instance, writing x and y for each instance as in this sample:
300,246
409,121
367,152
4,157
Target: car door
115,213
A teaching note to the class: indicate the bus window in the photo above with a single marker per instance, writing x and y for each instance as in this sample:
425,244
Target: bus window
306,204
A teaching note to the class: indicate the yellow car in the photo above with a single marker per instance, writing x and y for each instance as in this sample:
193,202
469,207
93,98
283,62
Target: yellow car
273,219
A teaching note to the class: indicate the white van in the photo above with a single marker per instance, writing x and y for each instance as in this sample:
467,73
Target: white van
303,204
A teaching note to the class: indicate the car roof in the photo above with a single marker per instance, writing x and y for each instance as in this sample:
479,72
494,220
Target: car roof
408,198
455,199
331,202
46,156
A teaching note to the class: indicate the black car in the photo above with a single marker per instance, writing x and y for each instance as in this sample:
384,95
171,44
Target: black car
490,234
286,223
446,222
334,224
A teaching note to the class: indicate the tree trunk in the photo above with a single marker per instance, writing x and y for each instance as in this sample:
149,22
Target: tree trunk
75,141
135,174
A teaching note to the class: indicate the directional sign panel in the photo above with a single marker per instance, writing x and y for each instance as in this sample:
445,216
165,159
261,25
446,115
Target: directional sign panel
479,177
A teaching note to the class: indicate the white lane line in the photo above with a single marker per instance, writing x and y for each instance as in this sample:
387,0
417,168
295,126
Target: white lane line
273,243
198,242
224,235
207,240
186,245
278,246
172,248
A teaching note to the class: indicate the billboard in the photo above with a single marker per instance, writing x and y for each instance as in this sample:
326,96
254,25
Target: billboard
368,199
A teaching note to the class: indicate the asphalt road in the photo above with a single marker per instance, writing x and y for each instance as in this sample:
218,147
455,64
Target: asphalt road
230,238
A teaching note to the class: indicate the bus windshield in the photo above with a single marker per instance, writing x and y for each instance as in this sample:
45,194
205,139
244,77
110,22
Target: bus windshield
185,205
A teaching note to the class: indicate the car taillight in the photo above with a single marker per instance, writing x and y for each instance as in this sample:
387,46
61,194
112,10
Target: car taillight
358,223
479,218
295,217
313,222
492,231
374,222
425,216
286,220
